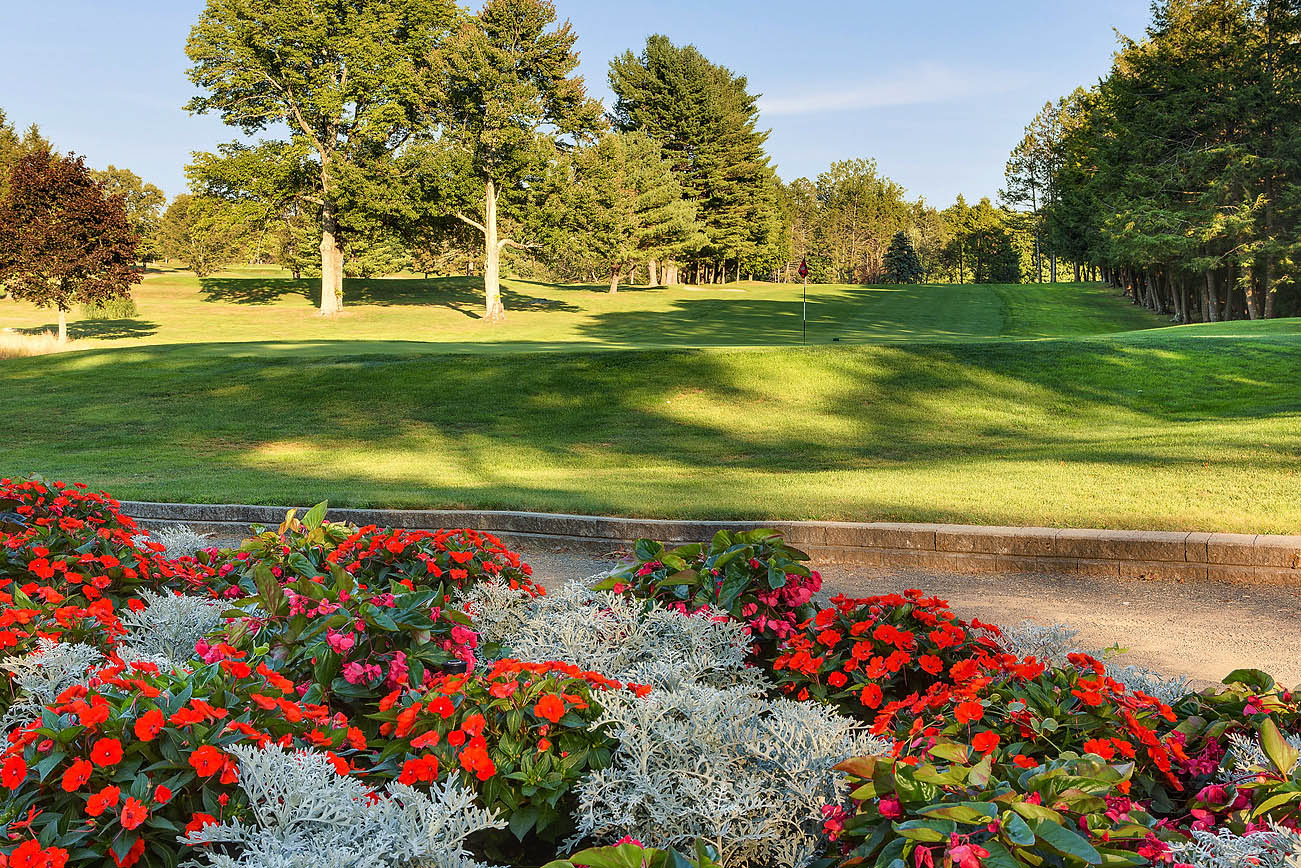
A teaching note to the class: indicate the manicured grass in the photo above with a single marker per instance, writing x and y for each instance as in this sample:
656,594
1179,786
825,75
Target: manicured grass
1195,428
260,305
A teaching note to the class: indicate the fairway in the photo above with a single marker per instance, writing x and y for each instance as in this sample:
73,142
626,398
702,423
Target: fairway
260,305
948,403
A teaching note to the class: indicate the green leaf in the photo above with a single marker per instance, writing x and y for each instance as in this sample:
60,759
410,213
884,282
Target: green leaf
1280,753
1260,681
269,592
647,550
1016,830
1066,841
312,520
522,820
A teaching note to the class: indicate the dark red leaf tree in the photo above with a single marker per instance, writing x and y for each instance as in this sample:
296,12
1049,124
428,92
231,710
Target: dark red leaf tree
63,239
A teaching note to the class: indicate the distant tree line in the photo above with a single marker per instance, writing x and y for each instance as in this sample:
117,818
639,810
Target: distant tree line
1178,176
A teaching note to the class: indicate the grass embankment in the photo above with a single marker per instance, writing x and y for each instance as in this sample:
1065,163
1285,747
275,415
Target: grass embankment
945,412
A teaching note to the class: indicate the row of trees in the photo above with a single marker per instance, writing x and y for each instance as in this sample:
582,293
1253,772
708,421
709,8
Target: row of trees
1179,175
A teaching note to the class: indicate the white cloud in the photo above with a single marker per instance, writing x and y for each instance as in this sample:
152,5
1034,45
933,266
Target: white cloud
926,83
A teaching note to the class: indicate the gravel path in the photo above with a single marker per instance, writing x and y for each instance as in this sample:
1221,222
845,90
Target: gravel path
1203,630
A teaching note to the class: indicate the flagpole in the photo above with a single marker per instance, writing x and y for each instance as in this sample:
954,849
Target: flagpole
805,316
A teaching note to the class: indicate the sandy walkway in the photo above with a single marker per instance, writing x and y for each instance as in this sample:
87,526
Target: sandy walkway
1203,630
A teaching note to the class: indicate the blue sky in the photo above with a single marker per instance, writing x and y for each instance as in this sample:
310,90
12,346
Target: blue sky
937,91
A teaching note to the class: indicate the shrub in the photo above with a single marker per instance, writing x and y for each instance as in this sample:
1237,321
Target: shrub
862,654
946,807
754,576
625,638
634,855
113,771
747,775
298,548
307,814
521,734
112,308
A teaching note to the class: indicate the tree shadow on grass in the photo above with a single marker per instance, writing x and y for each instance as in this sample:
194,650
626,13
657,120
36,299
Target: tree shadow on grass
461,294
100,329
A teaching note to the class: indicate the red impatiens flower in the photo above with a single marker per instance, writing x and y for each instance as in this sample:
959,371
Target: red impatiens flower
76,775
198,821
107,752
13,772
29,854
985,741
134,813
162,794
103,800
207,760
969,711
149,725
551,707
837,679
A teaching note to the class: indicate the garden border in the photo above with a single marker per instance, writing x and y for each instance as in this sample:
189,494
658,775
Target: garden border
1119,554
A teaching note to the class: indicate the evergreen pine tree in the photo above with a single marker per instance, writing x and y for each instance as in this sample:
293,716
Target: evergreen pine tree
902,265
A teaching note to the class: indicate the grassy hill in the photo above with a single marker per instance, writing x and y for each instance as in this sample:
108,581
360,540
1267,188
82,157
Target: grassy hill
1057,405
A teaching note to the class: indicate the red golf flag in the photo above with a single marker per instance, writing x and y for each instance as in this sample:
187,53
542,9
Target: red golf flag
804,268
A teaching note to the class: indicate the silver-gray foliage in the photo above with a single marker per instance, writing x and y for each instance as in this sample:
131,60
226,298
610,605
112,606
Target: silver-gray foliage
170,625
39,677
622,637
746,774
177,540
1245,757
1274,848
309,816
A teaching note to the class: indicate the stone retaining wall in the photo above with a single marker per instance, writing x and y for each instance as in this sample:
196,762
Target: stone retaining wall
1120,554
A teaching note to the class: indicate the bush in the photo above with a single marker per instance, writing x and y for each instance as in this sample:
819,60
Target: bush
753,576
521,734
862,654
113,308
114,771
955,805
748,775
626,638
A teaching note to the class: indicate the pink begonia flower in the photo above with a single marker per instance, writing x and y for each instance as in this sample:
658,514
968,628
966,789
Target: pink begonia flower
464,636
277,572
340,643
629,839
890,808
965,855
383,600
225,569
325,607
397,670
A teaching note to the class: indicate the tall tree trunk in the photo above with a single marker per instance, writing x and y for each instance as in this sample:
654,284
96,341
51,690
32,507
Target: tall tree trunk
63,326
1212,298
1268,288
492,308
1052,272
331,261
652,273
614,278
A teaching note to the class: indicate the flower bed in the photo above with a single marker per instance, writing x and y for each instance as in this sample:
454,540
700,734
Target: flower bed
328,695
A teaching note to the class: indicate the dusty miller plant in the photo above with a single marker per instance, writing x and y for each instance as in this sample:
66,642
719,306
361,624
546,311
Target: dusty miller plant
1052,643
177,540
1275,848
169,626
748,775
308,816
1245,757
41,676
622,637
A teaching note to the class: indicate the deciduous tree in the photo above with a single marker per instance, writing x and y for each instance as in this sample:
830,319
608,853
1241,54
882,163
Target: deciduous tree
348,77
63,239
510,102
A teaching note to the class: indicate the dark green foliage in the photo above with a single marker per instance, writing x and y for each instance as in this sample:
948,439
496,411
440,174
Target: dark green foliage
1179,175
706,120
901,262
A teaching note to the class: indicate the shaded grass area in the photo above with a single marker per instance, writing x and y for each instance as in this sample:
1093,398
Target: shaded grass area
1191,428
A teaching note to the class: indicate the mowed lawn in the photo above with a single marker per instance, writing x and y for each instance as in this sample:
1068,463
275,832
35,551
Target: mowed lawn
261,305
1053,405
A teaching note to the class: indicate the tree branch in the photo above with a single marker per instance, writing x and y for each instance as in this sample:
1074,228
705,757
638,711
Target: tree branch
511,242
474,223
